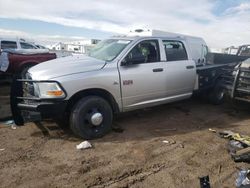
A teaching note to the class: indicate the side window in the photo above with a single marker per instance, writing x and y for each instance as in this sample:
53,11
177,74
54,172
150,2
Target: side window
25,45
205,50
8,44
144,52
175,50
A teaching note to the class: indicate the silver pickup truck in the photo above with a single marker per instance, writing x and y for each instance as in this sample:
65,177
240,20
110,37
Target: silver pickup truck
120,74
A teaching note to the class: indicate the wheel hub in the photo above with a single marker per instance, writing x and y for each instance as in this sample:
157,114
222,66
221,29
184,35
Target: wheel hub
96,119
221,94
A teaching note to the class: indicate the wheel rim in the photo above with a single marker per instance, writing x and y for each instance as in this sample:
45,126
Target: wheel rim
221,95
93,118
96,119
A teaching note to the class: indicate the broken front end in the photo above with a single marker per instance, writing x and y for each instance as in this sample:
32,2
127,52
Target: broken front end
33,100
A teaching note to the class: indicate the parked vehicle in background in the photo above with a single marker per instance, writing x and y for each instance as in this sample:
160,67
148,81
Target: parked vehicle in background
17,55
40,46
231,50
123,73
15,43
19,61
244,50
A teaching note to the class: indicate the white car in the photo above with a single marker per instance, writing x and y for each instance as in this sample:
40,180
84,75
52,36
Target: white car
15,43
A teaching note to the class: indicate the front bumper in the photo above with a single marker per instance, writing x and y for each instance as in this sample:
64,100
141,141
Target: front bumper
41,110
27,108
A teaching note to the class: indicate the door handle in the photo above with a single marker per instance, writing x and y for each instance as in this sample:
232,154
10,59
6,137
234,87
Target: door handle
158,70
189,67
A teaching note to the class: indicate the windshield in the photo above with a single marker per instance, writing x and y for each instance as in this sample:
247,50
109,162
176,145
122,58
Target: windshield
109,49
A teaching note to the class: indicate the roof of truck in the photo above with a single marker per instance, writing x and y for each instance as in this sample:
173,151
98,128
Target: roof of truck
139,33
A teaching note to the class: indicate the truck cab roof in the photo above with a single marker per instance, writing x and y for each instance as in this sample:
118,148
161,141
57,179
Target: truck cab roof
139,33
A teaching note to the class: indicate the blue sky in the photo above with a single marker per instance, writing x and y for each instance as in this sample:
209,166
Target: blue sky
40,27
221,23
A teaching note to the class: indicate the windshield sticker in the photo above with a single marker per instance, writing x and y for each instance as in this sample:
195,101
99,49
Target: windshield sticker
123,41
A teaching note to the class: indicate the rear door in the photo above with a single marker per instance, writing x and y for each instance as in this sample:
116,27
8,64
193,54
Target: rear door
180,71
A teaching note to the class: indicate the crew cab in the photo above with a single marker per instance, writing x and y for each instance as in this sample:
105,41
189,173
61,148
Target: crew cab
123,73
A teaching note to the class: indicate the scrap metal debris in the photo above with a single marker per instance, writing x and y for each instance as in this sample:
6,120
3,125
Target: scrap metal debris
243,178
84,145
238,145
235,136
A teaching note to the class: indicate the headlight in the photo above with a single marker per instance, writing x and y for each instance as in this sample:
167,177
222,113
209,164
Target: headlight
48,90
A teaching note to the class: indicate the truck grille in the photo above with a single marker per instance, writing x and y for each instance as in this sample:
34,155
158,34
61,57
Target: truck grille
28,89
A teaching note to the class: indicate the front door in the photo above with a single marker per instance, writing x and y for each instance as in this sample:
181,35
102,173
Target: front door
142,76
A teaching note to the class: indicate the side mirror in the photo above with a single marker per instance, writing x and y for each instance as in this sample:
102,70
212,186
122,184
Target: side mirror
124,62
135,59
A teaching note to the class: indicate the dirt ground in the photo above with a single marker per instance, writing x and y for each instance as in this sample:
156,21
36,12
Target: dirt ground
45,155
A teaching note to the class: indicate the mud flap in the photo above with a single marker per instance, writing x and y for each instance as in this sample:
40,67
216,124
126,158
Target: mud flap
16,91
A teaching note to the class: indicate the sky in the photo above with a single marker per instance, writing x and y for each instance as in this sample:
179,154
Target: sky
221,23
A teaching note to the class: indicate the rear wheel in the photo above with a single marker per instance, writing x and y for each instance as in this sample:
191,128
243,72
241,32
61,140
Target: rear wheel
217,95
91,117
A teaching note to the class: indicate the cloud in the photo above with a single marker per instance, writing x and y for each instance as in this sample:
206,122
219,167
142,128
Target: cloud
241,8
40,39
192,17
12,33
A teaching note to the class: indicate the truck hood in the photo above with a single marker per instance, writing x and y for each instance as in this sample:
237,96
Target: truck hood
65,66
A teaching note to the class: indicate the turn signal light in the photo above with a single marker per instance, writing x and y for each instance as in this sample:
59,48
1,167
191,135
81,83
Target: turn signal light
55,93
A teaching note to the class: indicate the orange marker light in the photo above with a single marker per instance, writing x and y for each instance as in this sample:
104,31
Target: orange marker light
55,93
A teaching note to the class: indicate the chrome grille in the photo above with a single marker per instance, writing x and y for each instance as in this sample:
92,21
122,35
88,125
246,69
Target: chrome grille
28,87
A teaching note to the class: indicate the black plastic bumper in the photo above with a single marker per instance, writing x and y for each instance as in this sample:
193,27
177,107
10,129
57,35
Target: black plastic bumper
41,110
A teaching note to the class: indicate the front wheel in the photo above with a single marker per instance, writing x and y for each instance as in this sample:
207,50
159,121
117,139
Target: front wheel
91,117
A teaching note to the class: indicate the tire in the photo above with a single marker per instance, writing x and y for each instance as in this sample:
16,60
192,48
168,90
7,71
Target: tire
217,95
86,115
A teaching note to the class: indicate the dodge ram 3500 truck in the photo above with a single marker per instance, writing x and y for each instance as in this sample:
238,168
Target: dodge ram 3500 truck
142,69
